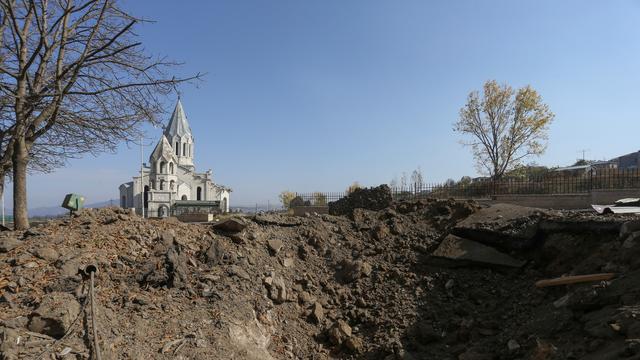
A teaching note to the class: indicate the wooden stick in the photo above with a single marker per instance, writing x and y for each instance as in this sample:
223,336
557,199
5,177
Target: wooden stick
574,279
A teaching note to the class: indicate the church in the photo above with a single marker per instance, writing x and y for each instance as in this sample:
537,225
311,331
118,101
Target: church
169,184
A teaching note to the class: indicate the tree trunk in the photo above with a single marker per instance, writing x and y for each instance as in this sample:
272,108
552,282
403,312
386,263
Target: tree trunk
3,177
20,160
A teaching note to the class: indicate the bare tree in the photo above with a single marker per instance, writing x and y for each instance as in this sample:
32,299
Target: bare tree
403,181
417,177
394,182
505,126
77,80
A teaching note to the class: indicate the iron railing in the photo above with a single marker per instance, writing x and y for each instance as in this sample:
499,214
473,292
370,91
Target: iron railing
483,188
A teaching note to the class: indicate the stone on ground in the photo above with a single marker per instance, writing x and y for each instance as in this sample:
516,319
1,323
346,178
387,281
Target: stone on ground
55,315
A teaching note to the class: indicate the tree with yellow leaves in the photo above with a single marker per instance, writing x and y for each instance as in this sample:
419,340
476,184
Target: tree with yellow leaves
504,126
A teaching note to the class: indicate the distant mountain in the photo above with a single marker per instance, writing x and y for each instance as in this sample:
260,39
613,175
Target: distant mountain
58,210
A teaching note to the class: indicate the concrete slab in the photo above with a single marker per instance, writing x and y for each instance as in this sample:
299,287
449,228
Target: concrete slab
506,226
464,250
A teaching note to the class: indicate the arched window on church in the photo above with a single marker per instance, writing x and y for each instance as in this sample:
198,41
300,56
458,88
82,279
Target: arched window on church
177,148
163,167
184,197
171,168
161,184
153,184
184,149
172,184
199,193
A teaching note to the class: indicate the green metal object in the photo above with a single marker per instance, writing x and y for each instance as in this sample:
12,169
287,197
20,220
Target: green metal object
73,202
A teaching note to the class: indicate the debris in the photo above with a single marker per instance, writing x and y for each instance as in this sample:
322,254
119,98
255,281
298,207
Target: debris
366,286
231,225
8,243
508,227
467,251
513,345
275,245
566,280
317,312
55,315
375,199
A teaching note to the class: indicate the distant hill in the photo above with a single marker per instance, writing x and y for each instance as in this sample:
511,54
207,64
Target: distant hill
58,210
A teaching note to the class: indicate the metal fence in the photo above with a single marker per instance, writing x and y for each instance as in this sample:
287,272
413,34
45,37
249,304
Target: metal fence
552,183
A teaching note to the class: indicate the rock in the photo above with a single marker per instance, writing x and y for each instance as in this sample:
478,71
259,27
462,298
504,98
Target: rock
631,240
47,253
562,302
365,269
8,243
215,253
55,314
449,284
165,269
509,227
275,245
339,332
235,270
466,251
353,270
317,313
513,345
287,262
168,238
277,290
376,199
31,233
354,344
231,225
629,227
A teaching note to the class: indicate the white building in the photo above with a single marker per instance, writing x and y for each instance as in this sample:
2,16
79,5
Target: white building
169,184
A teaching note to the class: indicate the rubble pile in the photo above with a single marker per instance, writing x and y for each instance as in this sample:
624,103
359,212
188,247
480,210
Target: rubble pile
430,279
376,198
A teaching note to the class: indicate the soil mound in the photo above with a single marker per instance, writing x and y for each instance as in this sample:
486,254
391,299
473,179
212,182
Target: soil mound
369,286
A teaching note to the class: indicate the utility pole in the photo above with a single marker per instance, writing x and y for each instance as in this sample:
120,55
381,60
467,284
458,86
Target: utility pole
583,151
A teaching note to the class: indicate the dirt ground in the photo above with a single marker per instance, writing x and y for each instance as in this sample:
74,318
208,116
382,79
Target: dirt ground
365,285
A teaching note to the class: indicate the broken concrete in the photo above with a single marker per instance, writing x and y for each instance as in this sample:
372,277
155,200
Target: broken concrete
231,225
509,227
468,251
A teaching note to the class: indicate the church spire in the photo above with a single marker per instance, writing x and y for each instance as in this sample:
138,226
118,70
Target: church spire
178,125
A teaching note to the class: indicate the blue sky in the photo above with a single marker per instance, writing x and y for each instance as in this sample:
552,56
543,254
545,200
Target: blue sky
313,95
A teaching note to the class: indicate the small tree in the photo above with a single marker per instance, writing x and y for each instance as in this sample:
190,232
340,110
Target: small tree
286,197
353,187
319,199
505,126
